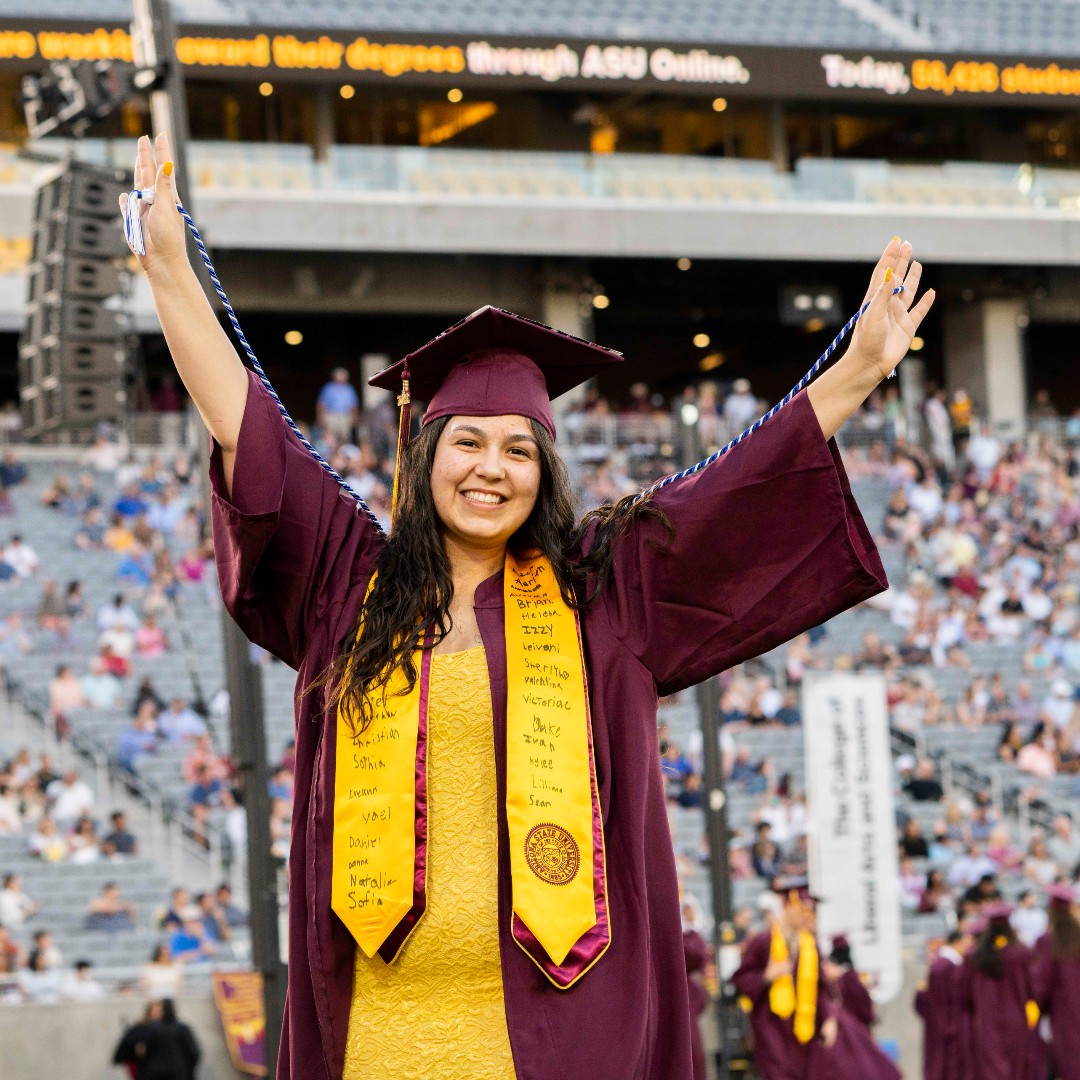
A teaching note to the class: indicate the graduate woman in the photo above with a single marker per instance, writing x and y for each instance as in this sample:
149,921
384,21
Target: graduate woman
481,876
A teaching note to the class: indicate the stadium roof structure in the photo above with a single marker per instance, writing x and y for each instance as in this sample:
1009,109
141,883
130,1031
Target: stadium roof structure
1048,28
878,24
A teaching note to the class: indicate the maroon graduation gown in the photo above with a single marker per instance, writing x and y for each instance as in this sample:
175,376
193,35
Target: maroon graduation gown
946,1022
778,1055
1001,1041
1057,990
854,1056
768,542
855,998
696,953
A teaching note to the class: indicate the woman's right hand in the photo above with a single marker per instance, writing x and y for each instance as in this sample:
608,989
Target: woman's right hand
163,227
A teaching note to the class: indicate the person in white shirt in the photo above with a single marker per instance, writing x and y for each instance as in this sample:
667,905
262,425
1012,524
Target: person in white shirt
1059,704
117,613
741,407
926,499
10,816
70,798
15,906
80,985
21,557
1029,920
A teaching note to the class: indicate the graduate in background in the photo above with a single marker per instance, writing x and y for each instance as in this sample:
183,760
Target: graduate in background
847,984
999,995
1057,980
946,1022
790,1004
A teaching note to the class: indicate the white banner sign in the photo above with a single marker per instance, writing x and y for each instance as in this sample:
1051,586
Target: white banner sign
852,825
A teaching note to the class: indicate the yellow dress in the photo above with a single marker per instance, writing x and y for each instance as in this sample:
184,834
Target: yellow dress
437,1012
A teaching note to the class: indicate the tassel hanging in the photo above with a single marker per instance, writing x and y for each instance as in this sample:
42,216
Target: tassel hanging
404,428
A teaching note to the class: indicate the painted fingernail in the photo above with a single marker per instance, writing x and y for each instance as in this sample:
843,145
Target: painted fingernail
896,239
888,274
168,168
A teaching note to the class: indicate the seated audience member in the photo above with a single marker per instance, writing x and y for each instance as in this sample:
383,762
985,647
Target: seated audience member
69,798
936,896
101,687
11,822
21,557
150,639
139,738
1038,756
1029,920
173,916
188,943
80,984
233,915
90,535
40,984
12,954
119,841
83,844
47,842
109,910
160,977
913,844
924,787
15,906
1039,864
180,723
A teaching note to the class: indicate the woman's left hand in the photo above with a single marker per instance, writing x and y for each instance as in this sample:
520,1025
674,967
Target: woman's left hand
883,335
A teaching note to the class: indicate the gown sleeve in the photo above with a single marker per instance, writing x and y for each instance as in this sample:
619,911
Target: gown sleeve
765,543
749,980
291,547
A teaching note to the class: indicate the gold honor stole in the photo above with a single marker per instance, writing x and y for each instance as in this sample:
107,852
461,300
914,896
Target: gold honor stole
560,916
786,996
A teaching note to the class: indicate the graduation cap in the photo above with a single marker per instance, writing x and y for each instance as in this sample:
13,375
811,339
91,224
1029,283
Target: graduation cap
1060,895
491,363
796,888
997,911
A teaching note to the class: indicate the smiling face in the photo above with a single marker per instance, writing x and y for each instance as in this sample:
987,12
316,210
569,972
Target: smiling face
485,479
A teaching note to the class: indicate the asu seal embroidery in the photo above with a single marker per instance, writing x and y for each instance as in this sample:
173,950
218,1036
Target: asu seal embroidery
552,854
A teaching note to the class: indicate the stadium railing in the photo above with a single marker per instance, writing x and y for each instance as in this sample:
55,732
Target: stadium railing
434,173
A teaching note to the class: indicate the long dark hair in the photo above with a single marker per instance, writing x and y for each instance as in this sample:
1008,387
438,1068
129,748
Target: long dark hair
414,588
986,956
1064,932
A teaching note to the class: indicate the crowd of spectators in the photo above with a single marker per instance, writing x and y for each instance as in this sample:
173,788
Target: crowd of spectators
987,531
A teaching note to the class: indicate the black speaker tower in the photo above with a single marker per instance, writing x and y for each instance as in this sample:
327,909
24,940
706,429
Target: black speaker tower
76,344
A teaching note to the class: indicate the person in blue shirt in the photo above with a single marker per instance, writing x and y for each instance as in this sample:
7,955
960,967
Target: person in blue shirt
338,406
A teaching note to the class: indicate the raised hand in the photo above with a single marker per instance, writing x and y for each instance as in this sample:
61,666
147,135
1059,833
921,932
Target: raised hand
163,227
883,336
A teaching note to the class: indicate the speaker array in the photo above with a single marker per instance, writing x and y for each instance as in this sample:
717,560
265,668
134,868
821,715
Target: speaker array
76,343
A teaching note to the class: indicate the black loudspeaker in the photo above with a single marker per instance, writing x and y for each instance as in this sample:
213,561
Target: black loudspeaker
76,343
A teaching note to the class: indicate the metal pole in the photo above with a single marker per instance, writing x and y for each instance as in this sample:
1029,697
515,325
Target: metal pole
154,33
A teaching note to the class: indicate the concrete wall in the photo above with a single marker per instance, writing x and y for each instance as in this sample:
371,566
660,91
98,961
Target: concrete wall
76,1040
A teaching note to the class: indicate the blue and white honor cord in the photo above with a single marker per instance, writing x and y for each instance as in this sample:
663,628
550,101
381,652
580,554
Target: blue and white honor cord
133,230
844,331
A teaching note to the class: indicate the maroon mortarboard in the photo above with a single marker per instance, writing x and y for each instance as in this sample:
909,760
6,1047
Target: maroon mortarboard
1062,895
997,911
977,925
495,363
794,888
491,363
840,941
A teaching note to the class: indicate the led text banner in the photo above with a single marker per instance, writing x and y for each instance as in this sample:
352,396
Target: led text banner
729,71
